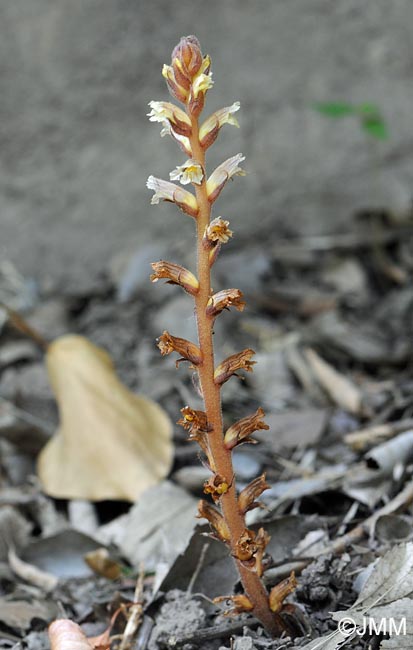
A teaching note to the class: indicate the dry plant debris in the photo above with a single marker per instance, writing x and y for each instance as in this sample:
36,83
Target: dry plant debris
111,444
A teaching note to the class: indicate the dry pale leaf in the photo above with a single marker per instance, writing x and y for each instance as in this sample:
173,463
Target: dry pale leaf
111,444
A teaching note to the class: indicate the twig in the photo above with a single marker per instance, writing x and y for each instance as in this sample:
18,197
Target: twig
359,440
135,615
23,327
198,568
208,634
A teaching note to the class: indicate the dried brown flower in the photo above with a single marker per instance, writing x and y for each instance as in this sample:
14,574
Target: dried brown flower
216,486
175,274
228,367
188,351
215,519
240,604
280,592
246,499
241,431
224,300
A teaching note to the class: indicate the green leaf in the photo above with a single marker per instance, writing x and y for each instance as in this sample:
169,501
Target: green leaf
375,126
335,109
368,109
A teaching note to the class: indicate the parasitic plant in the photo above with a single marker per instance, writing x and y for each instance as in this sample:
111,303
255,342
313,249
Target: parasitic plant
189,78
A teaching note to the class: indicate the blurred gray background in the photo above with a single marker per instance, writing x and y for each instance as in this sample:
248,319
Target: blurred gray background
76,146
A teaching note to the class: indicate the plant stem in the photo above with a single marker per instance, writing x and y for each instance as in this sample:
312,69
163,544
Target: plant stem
221,456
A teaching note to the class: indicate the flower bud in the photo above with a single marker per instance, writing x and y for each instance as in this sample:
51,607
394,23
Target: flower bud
215,519
175,274
224,300
246,499
166,191
188,351
241,431
177,87
228,368
280,592
219,177
187,57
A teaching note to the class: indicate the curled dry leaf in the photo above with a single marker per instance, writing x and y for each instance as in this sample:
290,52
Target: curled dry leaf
111,444
67,635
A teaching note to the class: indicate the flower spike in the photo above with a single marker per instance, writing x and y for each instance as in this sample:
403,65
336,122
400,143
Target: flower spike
175,274
166,191
188,351
222,174
189,78
229,367
241,431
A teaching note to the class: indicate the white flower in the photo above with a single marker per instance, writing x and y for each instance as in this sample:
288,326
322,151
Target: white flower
182,140
166,191
222,174
202,83
189,172
209,129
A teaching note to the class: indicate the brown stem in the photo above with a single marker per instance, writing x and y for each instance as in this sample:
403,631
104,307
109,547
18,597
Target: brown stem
221,456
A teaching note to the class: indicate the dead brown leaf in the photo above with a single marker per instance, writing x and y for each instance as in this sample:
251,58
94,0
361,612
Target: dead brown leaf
111,444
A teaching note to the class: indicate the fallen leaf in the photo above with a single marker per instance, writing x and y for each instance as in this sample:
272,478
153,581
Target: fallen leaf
67,635
18,614
111,444
158,527
62,555
102,564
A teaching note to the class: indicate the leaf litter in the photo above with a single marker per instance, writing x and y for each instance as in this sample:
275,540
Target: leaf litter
338,456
